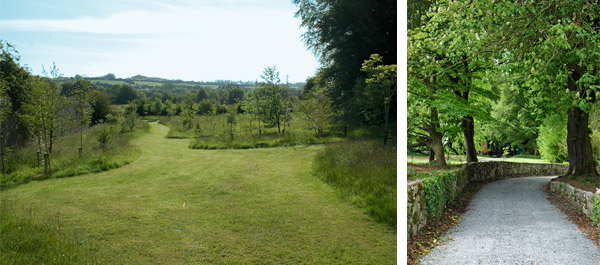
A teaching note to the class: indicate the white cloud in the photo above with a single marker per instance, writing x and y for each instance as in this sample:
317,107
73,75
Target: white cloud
185,43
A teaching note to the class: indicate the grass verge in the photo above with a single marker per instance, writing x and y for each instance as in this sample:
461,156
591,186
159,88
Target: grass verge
365,173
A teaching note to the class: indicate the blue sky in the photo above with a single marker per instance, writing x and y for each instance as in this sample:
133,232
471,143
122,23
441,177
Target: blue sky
177,39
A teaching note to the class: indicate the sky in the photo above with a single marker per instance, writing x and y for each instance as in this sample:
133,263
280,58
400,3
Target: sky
199,40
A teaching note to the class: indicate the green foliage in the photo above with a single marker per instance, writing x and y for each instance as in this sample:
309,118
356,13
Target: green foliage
596,210
106,149
381,87
317,110
365,174
552,139
439,191
343,34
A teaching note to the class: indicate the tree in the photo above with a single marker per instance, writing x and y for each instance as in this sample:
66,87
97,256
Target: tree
271,91
125,94
234,95
254,105
231,118
82,108
308,86
101,105
452,44
554,47
343,34
317,110
381,85
41,111
54,103
15,80
201,94
4,112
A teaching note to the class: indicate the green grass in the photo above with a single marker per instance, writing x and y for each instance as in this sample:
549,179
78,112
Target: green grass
65,161
525,159
254,206
213,132
365,172
29,237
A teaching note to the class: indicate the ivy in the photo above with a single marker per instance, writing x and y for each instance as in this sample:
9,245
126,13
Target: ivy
596,210
440,190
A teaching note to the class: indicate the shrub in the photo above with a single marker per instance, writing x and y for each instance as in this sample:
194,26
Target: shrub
552,139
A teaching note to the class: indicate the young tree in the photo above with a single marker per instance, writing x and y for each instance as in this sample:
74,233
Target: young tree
254,106
54,103
272,93
82,108
231,118
317,110
41,111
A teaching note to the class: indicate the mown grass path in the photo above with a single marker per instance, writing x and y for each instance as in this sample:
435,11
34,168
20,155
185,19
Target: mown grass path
241,207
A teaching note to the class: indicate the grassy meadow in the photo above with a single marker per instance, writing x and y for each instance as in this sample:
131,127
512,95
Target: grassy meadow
175,205
104,148
213,132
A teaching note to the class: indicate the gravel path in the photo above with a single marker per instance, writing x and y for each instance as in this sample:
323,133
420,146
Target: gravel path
511,222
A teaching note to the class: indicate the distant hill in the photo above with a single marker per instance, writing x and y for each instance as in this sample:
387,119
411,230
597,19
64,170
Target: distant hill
143,82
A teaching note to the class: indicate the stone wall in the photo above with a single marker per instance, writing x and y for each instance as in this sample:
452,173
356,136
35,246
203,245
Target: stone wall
481,171
417,213
579,198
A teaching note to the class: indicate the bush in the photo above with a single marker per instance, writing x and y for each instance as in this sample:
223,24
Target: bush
365,174
552,139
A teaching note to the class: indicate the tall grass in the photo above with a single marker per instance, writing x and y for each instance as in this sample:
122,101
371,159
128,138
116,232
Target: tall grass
105,147
28,237
365,173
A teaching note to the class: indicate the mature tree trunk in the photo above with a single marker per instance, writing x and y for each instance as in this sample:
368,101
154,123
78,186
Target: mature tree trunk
431,155
579,145
436,143
468,126
433,140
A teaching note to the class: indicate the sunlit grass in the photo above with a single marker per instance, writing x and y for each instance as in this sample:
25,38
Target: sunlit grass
117,151
175,205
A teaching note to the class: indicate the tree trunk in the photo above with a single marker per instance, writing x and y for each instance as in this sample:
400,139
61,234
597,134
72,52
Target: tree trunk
50,147
438,150
436,144
468,126
259,131
431,155
579,146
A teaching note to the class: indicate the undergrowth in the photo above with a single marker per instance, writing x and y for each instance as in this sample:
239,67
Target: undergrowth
105,147
365,173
